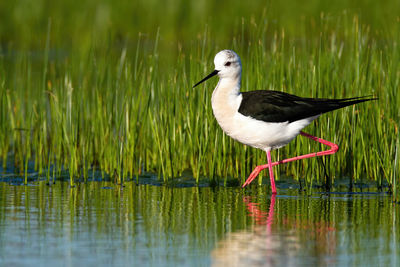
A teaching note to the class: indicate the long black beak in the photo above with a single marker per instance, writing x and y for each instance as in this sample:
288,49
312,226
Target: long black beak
215,72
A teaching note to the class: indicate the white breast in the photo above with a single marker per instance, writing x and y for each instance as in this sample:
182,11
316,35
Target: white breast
226,100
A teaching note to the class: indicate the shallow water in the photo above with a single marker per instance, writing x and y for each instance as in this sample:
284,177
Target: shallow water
100,223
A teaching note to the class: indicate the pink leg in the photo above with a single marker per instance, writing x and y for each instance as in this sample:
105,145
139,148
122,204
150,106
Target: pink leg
258,169
271,172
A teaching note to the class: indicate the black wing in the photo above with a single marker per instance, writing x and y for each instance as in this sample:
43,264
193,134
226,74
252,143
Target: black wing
275,106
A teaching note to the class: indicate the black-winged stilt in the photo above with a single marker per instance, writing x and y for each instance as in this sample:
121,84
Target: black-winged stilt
265,119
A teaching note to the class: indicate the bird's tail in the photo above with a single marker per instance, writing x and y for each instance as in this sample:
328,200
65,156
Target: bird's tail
332,104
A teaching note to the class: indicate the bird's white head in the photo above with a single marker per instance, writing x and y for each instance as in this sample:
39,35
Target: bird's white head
227,65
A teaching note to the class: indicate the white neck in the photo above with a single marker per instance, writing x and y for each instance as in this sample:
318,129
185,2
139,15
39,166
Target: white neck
227,87
226,99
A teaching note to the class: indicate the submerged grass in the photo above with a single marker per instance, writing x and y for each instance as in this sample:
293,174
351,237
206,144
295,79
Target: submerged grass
125,105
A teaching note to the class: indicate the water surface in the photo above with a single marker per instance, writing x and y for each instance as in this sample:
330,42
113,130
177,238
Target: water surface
100,223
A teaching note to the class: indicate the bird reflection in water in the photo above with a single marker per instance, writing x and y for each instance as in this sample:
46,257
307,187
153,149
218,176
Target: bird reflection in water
277,240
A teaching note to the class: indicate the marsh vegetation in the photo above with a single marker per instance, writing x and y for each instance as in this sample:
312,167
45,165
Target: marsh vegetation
101,88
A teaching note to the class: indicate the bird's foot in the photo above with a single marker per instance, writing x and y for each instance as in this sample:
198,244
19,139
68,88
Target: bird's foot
254,174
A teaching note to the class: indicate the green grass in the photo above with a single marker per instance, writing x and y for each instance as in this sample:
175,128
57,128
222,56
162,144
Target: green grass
112,90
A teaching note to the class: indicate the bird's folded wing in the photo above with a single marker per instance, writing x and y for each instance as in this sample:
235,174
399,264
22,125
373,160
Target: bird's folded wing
276,106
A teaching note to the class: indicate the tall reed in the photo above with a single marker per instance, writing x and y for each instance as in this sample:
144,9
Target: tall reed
128,108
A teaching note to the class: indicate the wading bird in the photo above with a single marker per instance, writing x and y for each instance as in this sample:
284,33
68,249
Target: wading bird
265,119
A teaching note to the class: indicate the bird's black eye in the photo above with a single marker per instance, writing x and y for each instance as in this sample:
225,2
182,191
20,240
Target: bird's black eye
227,64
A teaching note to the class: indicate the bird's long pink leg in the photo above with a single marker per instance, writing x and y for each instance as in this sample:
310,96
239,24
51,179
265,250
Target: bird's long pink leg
333,149
271,172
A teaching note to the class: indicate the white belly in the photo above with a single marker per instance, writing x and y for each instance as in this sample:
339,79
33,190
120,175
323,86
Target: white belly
226,100
259,134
